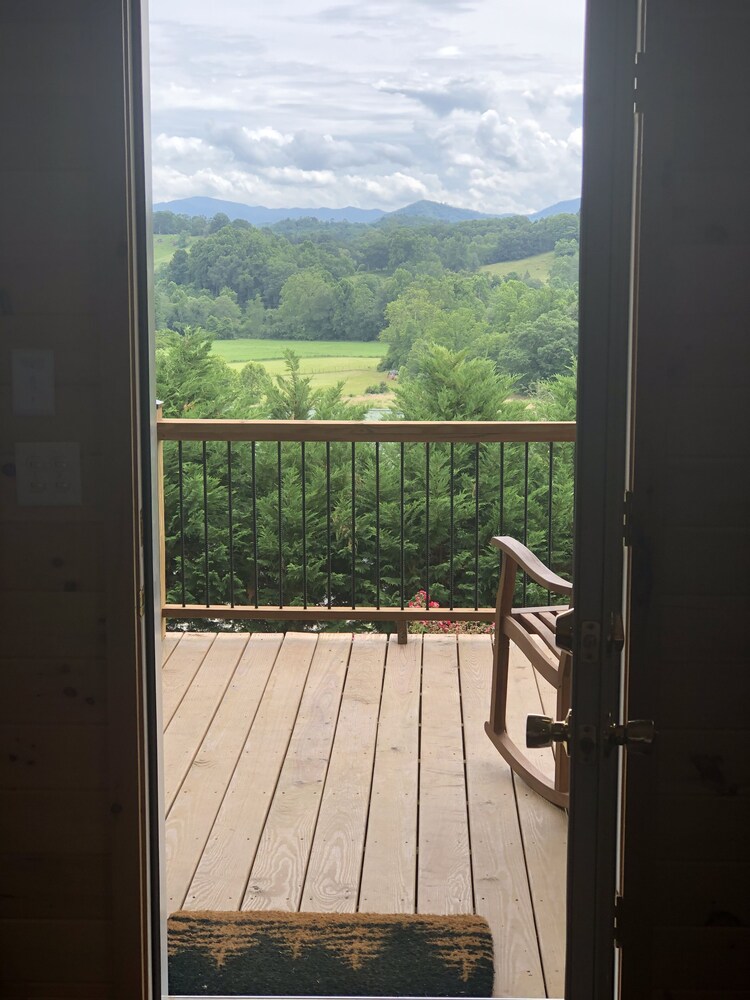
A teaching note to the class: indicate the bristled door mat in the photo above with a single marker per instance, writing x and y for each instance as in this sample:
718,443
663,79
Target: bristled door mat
321,954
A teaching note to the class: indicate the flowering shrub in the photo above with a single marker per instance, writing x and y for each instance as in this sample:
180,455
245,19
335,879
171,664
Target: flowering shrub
444,627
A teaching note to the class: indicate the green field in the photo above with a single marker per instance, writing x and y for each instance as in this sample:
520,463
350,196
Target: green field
537,266
328,361
164,248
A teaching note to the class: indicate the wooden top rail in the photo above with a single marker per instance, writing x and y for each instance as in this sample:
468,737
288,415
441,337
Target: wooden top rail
457,431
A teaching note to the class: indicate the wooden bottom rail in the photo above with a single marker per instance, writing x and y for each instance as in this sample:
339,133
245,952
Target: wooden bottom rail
315,614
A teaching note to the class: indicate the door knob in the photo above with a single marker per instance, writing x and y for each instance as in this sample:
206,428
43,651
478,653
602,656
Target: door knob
541,731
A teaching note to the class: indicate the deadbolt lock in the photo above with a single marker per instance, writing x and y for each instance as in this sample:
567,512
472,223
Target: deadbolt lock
637,735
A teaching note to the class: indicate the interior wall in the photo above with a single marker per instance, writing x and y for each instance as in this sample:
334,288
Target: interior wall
71,832
686,926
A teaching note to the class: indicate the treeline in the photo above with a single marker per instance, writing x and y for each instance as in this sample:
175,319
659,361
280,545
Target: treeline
408,284
334,555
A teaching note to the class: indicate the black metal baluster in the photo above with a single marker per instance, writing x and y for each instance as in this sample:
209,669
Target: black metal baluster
502,487
476,525
205,529
255,522
525,511
231,526
280,526
304,525
427,521
377,524
182,521
549,510
402,525
452,503
328,515
354,526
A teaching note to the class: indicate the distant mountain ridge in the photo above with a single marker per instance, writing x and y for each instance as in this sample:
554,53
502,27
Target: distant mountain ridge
258,215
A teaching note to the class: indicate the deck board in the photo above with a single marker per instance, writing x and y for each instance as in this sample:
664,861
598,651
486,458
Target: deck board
444,868
221,876
320,764
192,815
544,831
190,722
389,871
501,887
278,873
333,875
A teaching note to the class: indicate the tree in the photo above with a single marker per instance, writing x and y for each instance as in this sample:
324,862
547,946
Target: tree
449,385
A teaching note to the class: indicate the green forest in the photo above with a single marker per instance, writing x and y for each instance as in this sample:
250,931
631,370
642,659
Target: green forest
405,282
465,345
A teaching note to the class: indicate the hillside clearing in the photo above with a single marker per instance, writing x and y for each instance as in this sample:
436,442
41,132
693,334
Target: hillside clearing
537,266
355,363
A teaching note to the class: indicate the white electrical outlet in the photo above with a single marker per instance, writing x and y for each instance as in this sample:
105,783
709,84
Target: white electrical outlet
48,474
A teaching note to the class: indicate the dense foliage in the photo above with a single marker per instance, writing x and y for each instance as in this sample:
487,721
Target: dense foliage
409,282
314,530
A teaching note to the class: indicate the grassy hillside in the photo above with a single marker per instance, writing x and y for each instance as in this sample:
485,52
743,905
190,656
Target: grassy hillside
537,266
164,248
327,361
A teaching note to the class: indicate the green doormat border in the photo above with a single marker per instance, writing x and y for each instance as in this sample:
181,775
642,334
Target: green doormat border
321,954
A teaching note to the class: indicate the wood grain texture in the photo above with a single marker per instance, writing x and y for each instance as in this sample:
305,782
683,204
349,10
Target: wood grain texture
185,732
351,430
221,877
278,872
444,867
389,870
180,669
333,874
501,886
192,815
544,829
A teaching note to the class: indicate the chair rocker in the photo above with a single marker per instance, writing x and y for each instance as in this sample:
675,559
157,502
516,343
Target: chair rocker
533,631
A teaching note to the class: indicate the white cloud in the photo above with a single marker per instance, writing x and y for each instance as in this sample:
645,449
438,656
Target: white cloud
472,102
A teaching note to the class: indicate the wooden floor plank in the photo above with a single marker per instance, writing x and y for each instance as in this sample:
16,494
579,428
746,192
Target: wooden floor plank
444,869
189,724
278,872
332,883
501,887
178,673
192,815
168,645
221,877
389,867
544,828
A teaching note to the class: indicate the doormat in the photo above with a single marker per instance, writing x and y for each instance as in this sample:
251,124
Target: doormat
321,954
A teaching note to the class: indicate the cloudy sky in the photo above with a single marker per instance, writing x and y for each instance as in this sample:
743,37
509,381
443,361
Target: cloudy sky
375,104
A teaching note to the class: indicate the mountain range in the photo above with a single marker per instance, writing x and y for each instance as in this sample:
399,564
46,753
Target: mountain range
258,215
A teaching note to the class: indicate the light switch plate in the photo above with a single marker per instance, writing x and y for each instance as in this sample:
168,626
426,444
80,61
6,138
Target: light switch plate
33,381
48,474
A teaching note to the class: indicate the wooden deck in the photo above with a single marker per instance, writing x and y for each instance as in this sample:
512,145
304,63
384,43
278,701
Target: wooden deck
340,773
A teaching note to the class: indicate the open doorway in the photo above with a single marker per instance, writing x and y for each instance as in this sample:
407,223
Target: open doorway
306,768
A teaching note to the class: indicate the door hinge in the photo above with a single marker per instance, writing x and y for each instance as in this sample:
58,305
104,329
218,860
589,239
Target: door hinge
627,519
141,602
618,921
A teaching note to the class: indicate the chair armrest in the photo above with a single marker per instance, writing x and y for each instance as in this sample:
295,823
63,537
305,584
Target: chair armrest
535,568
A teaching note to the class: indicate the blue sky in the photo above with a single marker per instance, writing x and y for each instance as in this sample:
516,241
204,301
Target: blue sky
311,103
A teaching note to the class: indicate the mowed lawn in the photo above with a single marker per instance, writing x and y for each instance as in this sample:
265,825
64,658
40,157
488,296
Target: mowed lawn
355,363
538,266
165,246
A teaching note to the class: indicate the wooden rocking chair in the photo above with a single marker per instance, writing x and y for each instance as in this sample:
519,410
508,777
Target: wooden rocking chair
533,631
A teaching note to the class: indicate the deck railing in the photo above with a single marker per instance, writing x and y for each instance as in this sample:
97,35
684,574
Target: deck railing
312,520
